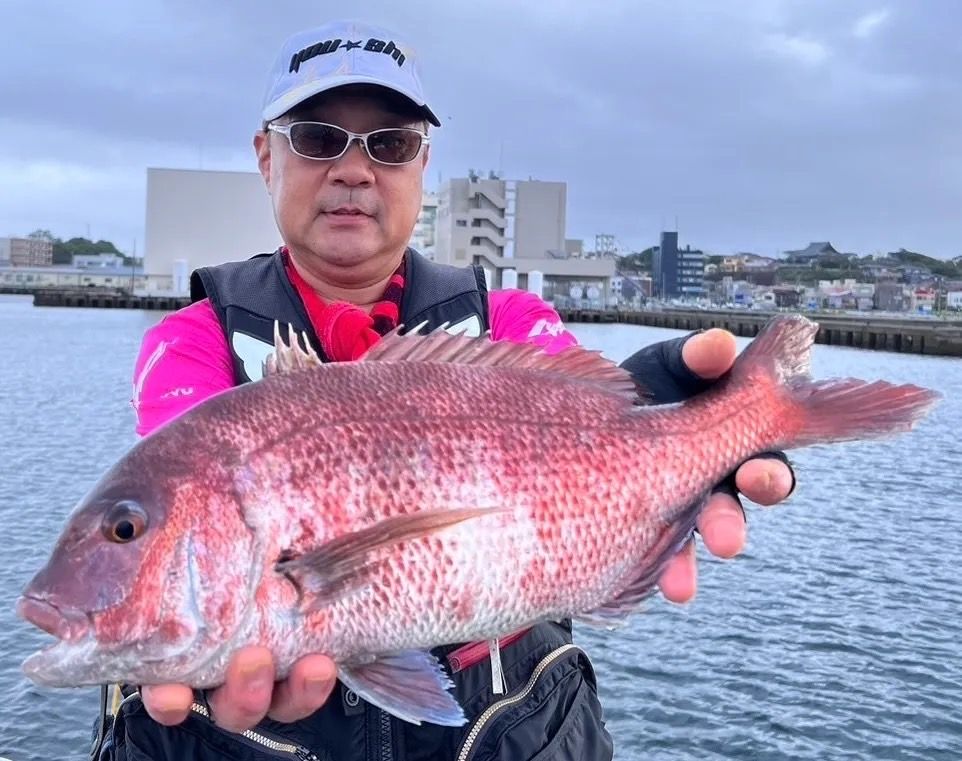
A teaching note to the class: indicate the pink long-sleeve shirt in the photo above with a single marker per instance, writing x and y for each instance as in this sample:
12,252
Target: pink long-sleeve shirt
185,359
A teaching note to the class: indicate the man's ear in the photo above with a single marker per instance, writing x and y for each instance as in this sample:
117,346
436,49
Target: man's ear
262,148
426,155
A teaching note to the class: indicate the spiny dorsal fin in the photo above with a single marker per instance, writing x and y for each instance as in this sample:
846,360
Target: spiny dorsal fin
575,362
783,347
288,358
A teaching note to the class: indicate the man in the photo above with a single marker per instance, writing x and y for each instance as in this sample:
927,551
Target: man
342,150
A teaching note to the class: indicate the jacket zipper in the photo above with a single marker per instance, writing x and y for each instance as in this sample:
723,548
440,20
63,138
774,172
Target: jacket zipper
492,710
279,747
386,744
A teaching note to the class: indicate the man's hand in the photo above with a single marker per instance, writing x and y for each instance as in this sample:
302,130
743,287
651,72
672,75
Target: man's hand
249,692
676,370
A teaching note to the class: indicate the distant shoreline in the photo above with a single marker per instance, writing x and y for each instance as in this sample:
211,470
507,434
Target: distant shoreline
905,335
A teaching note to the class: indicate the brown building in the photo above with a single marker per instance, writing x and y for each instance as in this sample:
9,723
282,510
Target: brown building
889,297
26,252
788,296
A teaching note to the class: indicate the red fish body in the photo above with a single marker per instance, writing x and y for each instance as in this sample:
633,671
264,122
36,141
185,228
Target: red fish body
442,490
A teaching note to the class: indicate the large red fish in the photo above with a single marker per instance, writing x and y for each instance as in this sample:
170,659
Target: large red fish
443,489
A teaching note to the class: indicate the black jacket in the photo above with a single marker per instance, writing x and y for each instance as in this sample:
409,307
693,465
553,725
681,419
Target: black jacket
551,710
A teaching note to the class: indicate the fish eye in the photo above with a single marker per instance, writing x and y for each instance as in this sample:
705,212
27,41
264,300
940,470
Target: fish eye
124,522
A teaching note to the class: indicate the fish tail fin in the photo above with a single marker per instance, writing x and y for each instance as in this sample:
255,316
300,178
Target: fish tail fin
849,409
837,410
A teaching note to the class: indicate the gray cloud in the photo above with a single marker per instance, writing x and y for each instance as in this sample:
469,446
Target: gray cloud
759,124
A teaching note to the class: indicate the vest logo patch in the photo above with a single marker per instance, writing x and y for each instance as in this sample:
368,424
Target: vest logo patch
252,353
471,327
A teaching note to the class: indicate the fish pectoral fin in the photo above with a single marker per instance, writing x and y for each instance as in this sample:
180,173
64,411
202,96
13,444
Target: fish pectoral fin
644,577
347,562
410,685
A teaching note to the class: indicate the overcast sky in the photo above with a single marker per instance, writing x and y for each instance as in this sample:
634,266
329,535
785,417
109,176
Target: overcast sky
760,125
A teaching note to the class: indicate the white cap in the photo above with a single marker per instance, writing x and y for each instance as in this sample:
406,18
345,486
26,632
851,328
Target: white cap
342,53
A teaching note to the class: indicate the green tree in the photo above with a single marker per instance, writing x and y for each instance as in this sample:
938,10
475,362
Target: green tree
640,261
64,251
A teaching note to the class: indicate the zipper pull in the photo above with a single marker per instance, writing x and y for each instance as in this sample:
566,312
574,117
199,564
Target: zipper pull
498,685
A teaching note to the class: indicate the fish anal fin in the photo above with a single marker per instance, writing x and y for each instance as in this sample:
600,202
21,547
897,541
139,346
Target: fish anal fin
410,685
349,561
644,576
574,362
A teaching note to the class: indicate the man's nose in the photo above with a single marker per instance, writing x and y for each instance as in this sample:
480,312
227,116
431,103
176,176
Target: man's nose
354,167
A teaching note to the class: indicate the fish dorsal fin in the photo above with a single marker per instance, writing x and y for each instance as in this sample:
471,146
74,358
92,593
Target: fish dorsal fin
574,362
290,357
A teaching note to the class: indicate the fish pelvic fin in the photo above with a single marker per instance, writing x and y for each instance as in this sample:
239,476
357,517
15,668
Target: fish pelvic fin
347,562
411,685
828,411
574,362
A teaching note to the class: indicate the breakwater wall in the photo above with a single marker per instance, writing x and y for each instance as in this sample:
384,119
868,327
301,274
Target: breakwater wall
912,336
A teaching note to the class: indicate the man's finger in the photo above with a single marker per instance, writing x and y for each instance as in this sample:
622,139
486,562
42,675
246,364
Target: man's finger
167,704
710,354
678,581
245,696
764,481
722,525
307,688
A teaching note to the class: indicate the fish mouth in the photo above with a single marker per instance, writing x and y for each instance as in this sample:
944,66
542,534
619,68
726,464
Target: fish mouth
66,624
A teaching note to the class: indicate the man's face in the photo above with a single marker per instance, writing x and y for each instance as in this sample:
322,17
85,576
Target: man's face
350,212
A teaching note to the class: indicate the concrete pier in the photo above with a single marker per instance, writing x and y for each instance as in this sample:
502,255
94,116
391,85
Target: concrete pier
935,337
104,299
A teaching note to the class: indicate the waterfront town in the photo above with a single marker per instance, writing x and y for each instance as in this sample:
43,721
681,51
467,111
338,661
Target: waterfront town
516,230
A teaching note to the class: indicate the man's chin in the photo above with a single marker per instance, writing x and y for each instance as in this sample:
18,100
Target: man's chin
345,250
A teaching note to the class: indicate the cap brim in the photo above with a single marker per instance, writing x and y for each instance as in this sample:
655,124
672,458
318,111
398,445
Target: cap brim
299,94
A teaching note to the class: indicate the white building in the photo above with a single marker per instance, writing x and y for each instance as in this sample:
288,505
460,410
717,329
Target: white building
86,261
424,238
953,300
120,278
197,218
516,231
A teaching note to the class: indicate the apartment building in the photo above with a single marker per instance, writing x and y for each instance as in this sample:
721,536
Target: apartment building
26,252
515,229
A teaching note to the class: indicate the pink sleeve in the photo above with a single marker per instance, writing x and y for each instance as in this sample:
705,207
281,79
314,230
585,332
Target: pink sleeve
183,360
522,317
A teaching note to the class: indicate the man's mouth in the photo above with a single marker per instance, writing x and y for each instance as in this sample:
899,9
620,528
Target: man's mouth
347,212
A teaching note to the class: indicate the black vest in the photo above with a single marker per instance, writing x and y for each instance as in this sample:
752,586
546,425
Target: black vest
248,296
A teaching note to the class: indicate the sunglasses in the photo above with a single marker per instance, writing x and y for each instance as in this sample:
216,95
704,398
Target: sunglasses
326,142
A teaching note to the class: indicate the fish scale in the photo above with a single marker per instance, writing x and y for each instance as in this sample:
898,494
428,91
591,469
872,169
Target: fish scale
443,489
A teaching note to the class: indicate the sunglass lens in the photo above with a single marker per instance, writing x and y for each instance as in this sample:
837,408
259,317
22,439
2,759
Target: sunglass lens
394,146
319,141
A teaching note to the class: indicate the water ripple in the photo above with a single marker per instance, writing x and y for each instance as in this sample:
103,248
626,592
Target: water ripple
836,635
